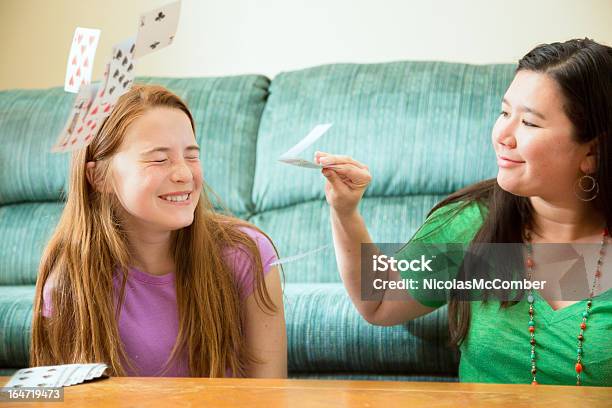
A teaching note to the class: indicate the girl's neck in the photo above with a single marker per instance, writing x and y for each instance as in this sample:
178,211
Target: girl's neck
150,251
566,222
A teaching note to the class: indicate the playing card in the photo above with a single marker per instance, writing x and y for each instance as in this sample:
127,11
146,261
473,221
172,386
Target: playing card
157,28
302,163
118,78
290,156
120,74
299,256
47,376
81,58
68,369
80,106
56,376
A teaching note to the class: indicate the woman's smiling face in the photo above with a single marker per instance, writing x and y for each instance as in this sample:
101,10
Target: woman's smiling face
533,139
156,172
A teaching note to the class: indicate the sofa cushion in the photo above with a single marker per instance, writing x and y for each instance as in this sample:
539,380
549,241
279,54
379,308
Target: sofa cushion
24,231
15,325
327,335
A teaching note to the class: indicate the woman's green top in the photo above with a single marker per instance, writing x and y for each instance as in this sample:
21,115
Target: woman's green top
497,348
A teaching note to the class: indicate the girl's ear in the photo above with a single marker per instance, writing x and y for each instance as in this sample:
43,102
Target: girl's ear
90,171
589,163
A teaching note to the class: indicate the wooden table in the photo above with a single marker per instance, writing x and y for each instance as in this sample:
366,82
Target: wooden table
180,392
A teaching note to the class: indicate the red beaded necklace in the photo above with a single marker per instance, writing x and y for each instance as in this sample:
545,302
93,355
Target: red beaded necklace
530,298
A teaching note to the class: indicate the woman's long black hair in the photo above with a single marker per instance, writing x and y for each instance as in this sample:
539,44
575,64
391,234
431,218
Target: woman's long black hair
582,69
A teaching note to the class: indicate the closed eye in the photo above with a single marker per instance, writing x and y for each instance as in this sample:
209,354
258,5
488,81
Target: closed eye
529,124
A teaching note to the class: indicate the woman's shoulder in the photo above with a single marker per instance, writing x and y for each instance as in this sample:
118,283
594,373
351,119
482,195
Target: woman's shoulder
454,222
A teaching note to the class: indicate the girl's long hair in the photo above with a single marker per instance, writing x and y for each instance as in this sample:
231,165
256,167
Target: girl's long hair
582,69
89,246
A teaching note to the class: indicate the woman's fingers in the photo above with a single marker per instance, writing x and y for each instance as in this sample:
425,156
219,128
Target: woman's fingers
327,159
357,177
334,179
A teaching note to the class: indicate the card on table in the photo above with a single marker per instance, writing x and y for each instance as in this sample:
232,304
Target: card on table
157,28
56,376
81,58
290,156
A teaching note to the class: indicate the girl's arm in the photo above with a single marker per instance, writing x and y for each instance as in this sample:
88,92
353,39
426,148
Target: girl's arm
265,332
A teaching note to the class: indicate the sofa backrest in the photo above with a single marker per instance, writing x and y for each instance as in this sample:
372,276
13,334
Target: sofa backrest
423,128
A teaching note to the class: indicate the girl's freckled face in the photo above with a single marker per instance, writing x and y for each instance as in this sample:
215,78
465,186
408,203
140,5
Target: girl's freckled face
157,162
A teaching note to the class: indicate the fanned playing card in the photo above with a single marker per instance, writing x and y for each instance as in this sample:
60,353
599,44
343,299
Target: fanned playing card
56,376
156,28
81,58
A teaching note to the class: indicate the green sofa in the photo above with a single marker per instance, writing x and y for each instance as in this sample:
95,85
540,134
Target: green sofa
422,127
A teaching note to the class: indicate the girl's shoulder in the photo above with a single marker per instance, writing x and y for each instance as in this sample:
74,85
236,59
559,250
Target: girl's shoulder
241,262
47,293
264,244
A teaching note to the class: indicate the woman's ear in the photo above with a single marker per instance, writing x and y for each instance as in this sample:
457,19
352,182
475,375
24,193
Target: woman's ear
589,162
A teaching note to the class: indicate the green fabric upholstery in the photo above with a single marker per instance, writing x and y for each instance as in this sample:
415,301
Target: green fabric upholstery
30,121
24,230
15,325
370,377
423,128
326,334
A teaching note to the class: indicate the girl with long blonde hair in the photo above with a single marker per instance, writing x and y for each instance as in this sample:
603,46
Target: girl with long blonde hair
142,273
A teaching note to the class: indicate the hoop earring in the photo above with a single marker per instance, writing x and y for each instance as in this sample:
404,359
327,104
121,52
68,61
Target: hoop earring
593,189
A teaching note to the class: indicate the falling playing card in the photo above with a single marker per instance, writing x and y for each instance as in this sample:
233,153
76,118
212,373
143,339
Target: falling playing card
68,139
81,58
83,125
157,28
290,156
120,74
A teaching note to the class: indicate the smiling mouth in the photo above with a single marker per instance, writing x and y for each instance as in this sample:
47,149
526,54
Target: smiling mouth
509,160
176,198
